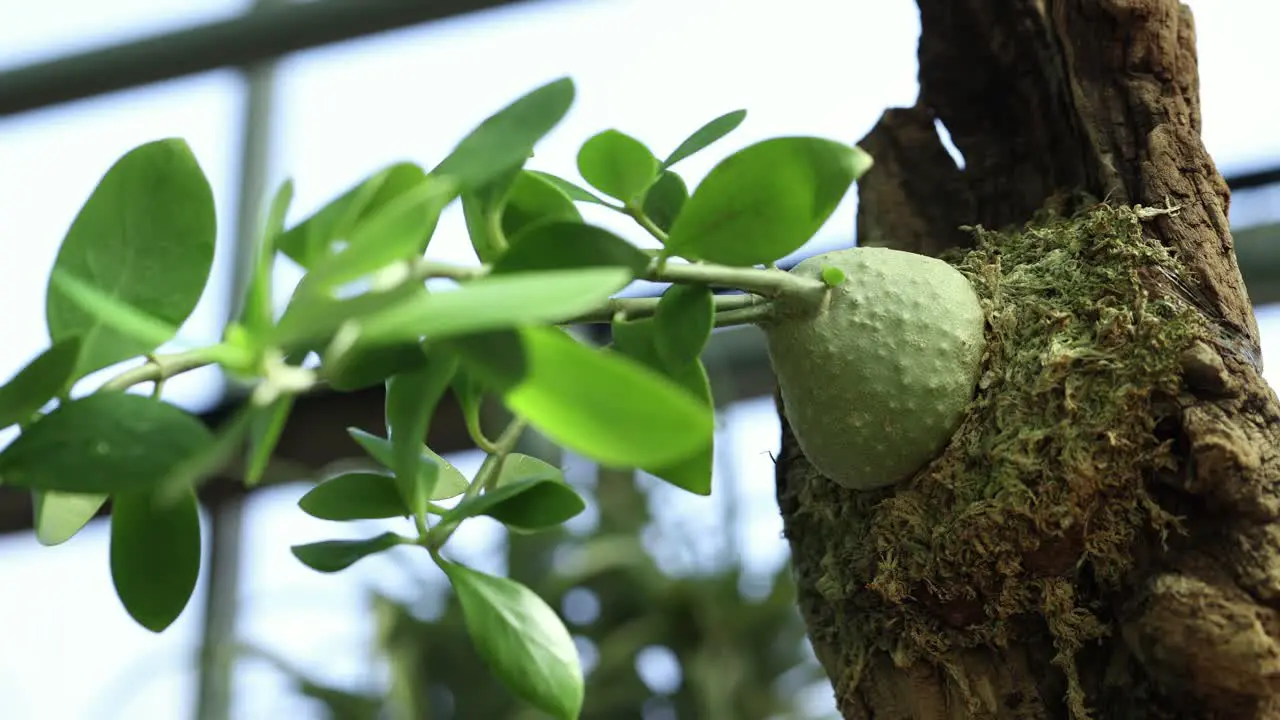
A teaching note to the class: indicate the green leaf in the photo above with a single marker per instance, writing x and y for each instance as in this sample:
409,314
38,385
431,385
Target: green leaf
617,165
398,231
145,238
532,200
113,315
450,481
665,199
330,556
597,403
59,516
521,639
637,339
257,314
361,367
832,276
265,429
103,443
540,500
705,135
766,201
155,556
470,395
569,245
507,137
355,496
310,240
683,322
411,402
575,193
495,302
40,381
312,317
482,212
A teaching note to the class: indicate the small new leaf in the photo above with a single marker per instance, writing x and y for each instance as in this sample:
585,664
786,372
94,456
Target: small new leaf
450,482
705,135
410,403
559,245
683,323
617,165
521,639
665,199
355,496
530,495
330,556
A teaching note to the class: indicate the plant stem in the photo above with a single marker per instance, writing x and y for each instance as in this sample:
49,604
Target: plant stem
646,222
750,315
769,283
637,308
484,479
159,368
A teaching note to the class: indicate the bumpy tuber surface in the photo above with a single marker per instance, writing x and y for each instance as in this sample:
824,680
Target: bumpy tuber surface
876,382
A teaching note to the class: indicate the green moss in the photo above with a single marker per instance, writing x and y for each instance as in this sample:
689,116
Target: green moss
1032,514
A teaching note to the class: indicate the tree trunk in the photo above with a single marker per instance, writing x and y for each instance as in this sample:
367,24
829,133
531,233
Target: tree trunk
1046,99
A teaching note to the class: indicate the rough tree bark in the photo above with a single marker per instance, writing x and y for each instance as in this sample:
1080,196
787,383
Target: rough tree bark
1045,98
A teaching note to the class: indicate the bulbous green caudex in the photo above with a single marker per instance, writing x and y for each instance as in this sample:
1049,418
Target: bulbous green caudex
875,384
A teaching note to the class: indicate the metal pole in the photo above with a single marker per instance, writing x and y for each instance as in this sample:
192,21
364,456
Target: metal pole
214,688
255,37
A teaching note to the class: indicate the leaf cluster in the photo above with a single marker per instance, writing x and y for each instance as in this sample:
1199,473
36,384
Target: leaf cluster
137,257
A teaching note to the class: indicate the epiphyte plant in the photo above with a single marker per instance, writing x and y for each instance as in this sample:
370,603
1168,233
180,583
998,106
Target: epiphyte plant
873,381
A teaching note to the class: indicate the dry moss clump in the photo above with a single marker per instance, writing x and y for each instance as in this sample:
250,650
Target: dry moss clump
1032,514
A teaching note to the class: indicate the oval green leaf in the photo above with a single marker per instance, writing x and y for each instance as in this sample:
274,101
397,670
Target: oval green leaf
705,135
312,239
534,504
665,199
145,237
766,201
257,312
521,639
524,506
495,302
155,556
617,165
359,367
40,381
355,496
398,231
683,322
104,443
533,199
450,482
330,556
638,339
410,403
598,403
265,428
506,139
569,246
575,193
57,517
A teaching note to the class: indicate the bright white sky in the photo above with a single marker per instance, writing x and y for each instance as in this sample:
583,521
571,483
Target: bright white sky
653,68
